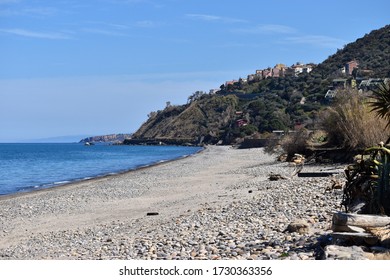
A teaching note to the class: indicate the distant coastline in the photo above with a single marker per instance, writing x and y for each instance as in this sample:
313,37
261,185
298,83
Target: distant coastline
109,138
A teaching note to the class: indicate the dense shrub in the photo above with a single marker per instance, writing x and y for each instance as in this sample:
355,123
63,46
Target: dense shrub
350,124
295,143
248,130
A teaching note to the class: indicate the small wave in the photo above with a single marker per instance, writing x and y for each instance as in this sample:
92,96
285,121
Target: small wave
61,182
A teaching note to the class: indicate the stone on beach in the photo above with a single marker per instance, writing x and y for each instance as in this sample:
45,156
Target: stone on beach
299,226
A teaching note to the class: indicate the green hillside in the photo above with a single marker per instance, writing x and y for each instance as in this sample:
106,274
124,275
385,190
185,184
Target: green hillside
207,116
249,108
372,52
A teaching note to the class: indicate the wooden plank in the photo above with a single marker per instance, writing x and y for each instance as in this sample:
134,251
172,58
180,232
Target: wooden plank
316,174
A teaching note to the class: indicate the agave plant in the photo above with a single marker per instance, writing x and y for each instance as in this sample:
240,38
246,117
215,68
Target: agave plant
368,180
367,189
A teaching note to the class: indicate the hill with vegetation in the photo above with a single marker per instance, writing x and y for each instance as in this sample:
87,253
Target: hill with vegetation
206,117
257,107
371,51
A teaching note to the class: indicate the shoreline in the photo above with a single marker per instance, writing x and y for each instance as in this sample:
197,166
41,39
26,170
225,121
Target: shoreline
197,201
71,182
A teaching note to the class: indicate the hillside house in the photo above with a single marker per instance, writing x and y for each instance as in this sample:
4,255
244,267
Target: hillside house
280,66
242,80
295,69
251,77
266,73
241,122
276,72
232,82
298,68
308,68
350,66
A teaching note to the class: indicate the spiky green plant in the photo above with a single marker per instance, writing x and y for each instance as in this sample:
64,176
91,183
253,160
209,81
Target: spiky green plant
368,180
380,164
381,101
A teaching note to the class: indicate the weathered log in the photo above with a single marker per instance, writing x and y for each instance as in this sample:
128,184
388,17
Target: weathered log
345,228
356,237
359,220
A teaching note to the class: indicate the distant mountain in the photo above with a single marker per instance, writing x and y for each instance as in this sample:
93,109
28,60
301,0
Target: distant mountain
111,138
56,139
247,108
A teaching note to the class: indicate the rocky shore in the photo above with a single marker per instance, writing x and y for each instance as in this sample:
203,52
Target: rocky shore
217,204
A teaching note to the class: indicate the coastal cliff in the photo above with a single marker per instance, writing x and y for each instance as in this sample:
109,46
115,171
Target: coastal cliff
208,118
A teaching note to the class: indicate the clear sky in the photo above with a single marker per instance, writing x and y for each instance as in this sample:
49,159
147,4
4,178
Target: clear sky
93,67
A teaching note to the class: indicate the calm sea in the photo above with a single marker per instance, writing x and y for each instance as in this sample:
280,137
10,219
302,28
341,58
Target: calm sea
26,167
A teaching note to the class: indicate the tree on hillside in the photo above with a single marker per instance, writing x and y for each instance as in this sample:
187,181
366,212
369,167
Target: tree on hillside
195,96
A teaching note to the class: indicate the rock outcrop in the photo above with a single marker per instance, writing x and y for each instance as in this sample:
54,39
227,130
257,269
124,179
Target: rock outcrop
208,118
111,138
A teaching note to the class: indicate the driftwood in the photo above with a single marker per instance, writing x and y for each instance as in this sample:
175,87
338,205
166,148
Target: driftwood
383,234
345,228
316,174
359,220
368,229
357,237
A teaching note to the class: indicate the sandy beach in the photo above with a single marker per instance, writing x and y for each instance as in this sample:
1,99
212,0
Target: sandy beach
216,204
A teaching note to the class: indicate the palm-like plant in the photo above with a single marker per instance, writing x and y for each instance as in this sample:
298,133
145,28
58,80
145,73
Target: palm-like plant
381,101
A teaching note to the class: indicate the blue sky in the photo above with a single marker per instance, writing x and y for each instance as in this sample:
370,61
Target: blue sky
71,67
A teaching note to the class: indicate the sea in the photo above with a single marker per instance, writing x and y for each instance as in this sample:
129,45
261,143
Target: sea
26,167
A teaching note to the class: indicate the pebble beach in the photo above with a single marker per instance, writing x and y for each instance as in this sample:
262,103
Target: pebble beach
216,204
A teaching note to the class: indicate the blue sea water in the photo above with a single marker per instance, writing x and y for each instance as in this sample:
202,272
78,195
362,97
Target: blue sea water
26,167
